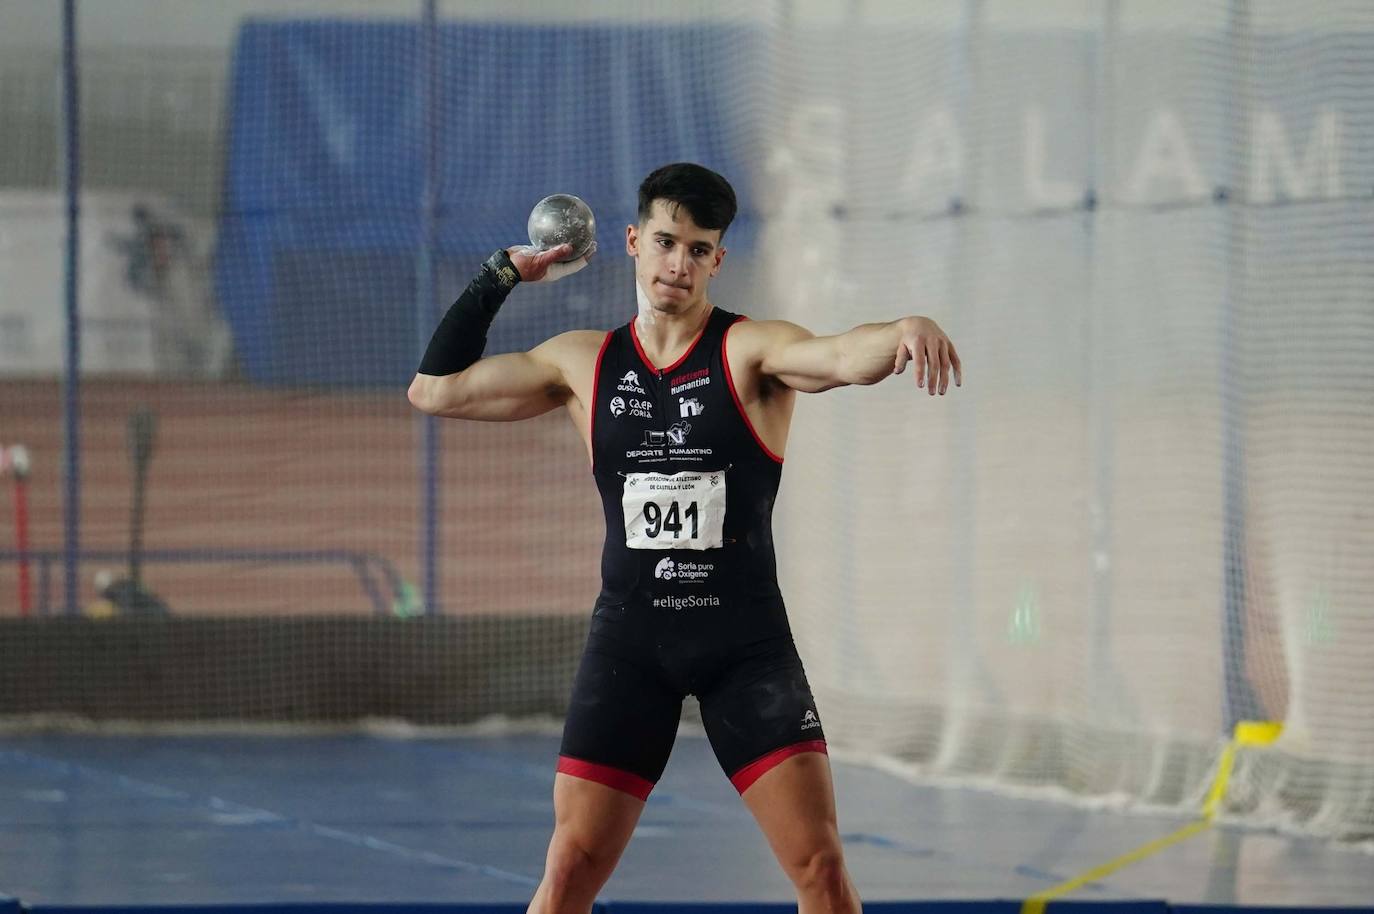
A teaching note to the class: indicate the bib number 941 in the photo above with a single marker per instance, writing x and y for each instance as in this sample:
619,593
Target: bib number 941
681,511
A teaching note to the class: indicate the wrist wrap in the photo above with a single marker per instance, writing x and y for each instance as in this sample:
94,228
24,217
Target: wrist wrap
461,336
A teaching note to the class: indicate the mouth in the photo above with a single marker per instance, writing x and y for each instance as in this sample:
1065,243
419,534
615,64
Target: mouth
674,286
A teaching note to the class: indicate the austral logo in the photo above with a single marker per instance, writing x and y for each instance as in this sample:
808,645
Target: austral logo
629,383
810,720
617,406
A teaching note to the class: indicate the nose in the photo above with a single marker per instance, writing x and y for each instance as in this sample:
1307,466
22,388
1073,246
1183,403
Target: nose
678,260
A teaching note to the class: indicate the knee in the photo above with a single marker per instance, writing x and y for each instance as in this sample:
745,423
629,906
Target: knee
575,866
821,874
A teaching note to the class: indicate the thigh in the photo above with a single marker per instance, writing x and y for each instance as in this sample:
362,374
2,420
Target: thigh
760,712
593,825
596,819
794,805
622,720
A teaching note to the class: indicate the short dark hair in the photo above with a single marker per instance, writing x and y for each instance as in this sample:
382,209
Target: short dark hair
708,198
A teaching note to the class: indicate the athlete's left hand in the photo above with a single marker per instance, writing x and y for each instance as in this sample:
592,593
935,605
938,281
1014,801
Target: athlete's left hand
930,347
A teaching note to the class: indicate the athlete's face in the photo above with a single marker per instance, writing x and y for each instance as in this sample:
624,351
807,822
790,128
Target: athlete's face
674,258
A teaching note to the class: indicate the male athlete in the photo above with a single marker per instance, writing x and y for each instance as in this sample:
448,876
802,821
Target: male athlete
685,412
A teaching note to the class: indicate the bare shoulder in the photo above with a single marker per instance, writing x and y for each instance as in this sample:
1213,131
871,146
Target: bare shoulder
573,354
572,350
751,341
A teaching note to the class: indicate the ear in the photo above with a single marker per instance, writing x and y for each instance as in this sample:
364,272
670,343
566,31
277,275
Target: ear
632,240
720,258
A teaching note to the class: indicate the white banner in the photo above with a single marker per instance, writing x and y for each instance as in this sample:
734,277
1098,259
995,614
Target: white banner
145,307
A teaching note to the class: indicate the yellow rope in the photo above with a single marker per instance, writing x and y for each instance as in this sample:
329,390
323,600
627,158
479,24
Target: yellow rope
1247,733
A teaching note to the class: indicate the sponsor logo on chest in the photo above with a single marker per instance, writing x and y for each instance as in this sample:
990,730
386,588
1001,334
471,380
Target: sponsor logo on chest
665,444
661,444
639,407
683,571
689,381
629,383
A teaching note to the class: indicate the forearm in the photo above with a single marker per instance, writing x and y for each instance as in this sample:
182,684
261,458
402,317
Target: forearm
866,354
446,383
461,336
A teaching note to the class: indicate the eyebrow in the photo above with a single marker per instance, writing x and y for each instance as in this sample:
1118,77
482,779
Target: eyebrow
671,237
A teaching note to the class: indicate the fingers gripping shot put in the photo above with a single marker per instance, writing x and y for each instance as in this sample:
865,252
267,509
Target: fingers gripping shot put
684,412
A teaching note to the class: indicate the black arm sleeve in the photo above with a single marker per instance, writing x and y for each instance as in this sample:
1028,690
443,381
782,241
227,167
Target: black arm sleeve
462,334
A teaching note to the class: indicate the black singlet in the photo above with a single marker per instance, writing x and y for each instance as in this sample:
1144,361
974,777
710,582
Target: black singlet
690,602
683,418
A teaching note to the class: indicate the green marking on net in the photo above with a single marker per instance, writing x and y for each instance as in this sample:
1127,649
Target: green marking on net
407,603
1320,629
1024,627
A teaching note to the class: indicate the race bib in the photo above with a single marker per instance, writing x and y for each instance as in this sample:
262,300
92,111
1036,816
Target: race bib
682,511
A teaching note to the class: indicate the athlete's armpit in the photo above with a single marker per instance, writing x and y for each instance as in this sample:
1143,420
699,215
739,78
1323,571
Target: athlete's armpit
516,385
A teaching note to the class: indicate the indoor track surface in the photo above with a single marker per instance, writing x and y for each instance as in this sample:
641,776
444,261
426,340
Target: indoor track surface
201,821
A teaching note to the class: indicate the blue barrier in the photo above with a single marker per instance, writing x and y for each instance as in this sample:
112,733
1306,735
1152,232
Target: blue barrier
363,565
326,195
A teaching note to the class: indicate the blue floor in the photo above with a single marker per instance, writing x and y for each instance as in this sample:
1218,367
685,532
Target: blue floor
138,821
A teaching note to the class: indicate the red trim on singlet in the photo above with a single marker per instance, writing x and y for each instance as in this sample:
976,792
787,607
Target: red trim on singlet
730,382
614,778
746,776
596,385
644,356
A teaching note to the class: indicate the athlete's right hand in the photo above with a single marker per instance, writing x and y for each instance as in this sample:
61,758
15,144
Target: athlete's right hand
535,265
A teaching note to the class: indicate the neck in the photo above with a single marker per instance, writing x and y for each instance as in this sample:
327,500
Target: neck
663,333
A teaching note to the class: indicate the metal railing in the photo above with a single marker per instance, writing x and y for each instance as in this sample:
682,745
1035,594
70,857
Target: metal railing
368,567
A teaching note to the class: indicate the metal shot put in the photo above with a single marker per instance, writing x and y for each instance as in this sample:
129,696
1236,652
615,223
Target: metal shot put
561,219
